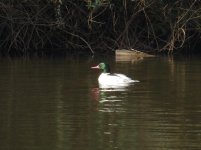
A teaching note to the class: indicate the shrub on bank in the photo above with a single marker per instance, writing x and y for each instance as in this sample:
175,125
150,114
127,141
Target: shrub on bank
96,25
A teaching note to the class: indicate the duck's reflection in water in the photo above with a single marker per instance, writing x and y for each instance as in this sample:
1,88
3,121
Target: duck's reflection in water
110,99
109,105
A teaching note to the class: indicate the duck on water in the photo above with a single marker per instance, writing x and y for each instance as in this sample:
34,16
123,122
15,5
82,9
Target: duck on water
107,78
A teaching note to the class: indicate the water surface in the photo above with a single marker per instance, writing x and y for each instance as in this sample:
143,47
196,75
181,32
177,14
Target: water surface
56,104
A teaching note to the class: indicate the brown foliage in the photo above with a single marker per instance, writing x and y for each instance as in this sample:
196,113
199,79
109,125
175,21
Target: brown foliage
99,24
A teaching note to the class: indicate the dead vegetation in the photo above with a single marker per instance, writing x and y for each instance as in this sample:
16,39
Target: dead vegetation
99,25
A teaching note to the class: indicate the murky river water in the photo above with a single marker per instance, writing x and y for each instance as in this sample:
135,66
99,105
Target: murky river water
56,104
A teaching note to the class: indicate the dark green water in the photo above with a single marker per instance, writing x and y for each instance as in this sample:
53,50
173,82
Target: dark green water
55,104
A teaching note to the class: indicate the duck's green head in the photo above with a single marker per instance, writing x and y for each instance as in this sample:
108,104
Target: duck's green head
103,66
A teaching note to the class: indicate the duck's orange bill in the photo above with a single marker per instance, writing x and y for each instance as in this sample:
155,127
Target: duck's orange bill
95,67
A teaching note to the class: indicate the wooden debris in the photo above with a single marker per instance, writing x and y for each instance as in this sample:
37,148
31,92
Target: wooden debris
130,55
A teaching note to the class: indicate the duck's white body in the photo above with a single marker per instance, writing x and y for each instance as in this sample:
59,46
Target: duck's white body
114,79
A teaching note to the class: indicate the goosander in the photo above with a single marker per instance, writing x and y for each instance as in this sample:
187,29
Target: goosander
107,78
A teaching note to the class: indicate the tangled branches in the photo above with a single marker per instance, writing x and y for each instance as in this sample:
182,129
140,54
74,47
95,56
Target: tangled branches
98,25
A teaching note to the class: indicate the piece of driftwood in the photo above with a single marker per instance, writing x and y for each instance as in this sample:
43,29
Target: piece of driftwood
130,55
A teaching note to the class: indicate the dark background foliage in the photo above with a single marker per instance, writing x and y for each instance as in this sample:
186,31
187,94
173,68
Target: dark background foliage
99,25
